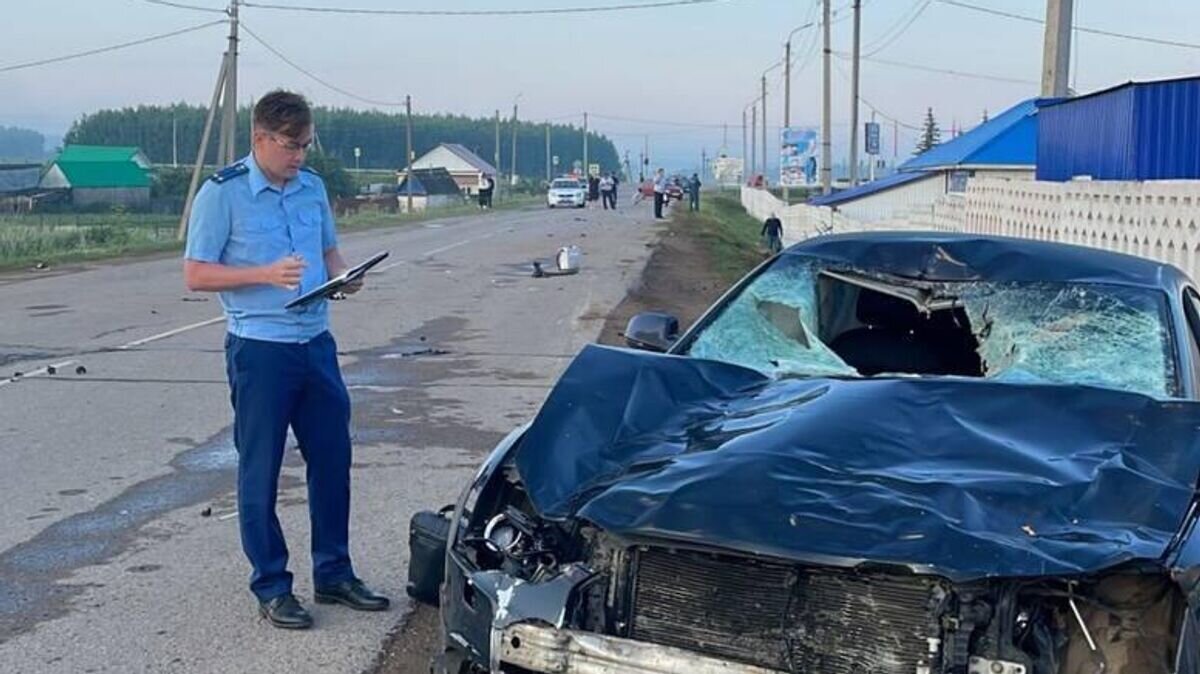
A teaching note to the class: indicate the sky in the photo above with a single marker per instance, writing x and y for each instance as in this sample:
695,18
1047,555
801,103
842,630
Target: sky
665,78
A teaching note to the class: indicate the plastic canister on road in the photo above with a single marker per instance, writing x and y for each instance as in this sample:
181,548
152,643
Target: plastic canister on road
568,258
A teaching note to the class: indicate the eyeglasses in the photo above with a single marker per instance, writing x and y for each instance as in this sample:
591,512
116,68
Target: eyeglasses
291,145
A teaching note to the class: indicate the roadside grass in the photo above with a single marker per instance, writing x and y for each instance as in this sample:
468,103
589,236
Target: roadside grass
729,234
50,239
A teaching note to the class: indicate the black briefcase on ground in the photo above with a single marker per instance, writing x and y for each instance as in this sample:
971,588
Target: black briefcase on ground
427,534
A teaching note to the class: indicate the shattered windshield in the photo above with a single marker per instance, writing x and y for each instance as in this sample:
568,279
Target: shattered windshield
796,319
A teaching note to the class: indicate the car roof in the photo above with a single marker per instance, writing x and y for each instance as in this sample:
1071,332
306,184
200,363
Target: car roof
947,256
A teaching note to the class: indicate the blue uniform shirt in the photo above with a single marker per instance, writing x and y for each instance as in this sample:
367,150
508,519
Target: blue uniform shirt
240,219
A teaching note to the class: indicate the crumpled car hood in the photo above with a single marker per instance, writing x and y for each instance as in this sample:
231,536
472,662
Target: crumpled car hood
960,477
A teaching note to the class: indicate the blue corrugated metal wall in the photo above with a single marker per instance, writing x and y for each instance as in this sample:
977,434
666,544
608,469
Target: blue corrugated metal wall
1168,130
1145,131
1088,136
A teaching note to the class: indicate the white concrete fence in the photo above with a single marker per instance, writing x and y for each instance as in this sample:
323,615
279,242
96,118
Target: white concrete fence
1158,219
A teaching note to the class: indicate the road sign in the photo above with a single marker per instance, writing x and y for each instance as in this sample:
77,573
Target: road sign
357,152
593,169
554,159
872,131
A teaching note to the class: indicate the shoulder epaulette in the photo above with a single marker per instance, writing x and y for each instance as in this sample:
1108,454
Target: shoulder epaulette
313,171
229,172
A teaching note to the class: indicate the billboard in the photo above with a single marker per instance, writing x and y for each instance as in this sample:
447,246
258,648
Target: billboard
797,156
727,170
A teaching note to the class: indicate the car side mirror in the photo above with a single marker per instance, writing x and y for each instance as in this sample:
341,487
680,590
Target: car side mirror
652,331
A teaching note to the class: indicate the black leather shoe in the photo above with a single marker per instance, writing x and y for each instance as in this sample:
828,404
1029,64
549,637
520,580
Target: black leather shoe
352,593
285,612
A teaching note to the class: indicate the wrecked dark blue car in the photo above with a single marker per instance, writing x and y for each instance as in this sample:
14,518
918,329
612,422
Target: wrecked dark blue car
876,454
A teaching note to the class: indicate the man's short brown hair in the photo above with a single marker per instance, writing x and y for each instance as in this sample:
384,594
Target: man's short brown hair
283,112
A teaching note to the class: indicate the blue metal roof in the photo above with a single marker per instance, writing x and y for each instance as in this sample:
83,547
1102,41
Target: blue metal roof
865,189
1008,139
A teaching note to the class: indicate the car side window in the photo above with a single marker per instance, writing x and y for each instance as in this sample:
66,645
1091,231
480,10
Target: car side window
1191,309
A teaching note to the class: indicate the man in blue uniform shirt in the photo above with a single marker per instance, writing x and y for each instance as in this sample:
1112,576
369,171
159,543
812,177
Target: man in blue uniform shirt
261,233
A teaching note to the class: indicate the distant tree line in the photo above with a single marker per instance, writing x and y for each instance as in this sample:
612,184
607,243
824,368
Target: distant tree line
21,145
380,135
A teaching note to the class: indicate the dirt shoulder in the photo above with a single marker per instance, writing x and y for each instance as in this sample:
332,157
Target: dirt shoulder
694,261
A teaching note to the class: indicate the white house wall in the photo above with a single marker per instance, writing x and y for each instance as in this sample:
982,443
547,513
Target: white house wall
55,179
886,205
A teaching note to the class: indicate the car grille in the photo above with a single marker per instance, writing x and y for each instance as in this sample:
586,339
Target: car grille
783,617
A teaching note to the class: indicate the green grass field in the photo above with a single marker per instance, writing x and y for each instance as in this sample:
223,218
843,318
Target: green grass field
29,240
729,233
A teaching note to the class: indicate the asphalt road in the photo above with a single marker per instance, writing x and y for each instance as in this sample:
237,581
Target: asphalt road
118,542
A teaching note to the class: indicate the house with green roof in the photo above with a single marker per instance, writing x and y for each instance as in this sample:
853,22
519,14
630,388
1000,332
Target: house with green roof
101,174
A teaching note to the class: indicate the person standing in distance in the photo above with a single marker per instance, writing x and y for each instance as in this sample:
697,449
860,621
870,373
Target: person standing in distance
261,233
660,192
772,231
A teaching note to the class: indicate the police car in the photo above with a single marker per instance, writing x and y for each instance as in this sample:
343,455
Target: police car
566,192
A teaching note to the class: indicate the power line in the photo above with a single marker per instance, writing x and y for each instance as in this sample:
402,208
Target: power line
943,71
887,40
1081,29
115,47
315,78
663,122
180,5
482,12
876,110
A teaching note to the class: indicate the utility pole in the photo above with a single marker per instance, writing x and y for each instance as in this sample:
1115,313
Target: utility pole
787,102
826,111
202,151
1056,55
408,153
704,163
854,94
764,129
512,171
227,144
646,152
585,146
174,141
496,158
753,138
745,146
548,178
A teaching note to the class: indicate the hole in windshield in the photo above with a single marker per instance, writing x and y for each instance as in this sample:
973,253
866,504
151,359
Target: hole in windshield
796,319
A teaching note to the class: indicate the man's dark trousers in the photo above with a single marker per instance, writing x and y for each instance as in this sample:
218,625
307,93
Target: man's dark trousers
658,204
274,385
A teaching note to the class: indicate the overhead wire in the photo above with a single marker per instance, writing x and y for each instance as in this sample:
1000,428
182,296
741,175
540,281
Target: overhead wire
181,5
110,48
316,78
899,28
1081,29
593,9
944,71
874,108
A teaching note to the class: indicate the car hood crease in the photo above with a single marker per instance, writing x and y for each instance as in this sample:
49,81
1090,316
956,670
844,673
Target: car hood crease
960,477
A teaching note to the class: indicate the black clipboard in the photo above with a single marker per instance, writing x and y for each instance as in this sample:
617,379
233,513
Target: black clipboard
334,285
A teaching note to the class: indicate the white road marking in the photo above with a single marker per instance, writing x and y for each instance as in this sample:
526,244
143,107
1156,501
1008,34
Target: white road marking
170,333
218,319
37,373
435,251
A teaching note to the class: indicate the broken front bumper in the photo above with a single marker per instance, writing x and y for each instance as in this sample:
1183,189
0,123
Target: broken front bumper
559,651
